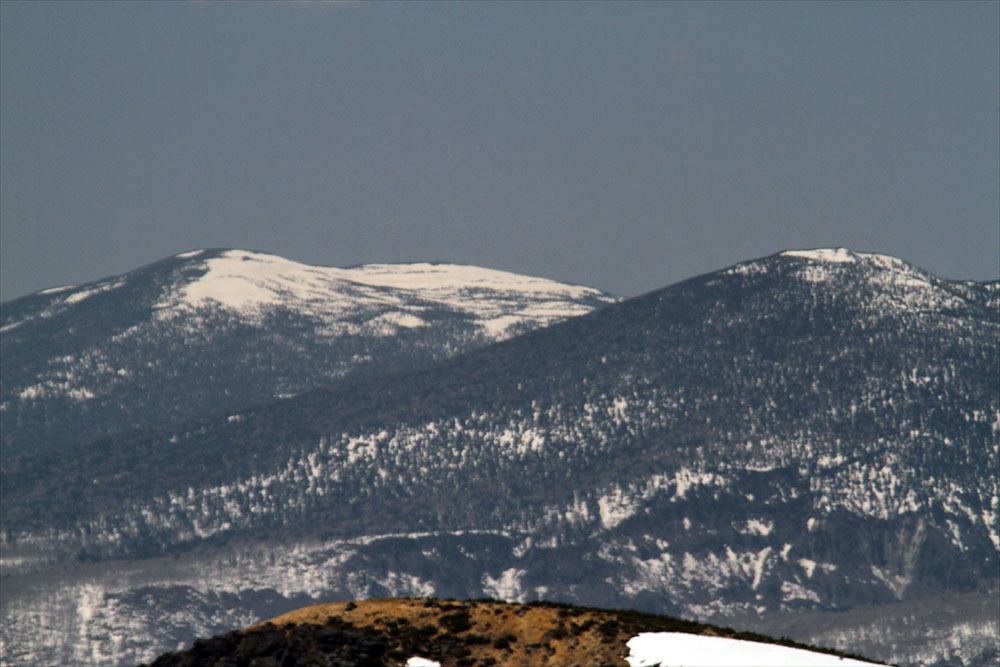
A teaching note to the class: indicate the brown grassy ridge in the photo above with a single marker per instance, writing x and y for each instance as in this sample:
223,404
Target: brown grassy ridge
467,633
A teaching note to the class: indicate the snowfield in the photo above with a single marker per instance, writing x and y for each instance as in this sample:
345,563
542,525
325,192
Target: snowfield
248,281
417,661
678,649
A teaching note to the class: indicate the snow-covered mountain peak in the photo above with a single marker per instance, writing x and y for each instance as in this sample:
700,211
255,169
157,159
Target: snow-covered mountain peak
846,256
250,281
883,283
822,264
204,317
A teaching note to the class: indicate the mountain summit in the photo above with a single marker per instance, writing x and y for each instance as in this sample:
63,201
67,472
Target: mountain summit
221,330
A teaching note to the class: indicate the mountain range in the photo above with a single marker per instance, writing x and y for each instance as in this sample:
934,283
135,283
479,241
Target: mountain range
810,432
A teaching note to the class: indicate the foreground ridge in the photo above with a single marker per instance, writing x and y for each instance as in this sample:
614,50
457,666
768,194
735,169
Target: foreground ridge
220,330
421,631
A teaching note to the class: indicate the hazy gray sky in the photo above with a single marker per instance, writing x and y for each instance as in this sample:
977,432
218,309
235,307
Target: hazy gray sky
623,146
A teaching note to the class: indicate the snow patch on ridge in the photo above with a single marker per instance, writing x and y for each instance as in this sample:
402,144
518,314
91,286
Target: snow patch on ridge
898,284
57,290
846,256
389,322
837,255
680,649
426,276
498,325
76,297
57,305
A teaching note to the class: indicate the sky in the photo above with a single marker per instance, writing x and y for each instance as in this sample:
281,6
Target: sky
624,146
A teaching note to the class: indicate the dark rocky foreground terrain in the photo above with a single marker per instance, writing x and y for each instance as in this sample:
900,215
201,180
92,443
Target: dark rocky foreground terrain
454,633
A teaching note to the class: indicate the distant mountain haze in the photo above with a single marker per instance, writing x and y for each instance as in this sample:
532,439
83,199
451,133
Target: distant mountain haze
813,431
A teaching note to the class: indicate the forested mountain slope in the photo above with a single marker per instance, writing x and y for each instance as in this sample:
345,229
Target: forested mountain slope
815,430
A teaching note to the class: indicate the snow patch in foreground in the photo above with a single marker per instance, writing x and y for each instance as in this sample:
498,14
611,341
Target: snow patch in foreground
678,649
417,661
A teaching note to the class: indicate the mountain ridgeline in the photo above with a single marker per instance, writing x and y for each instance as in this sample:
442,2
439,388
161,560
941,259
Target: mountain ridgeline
814,430
215,330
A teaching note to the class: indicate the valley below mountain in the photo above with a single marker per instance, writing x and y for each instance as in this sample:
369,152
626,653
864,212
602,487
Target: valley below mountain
809,435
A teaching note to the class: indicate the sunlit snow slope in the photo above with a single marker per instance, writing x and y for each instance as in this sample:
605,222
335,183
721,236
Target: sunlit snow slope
679,649
251,283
